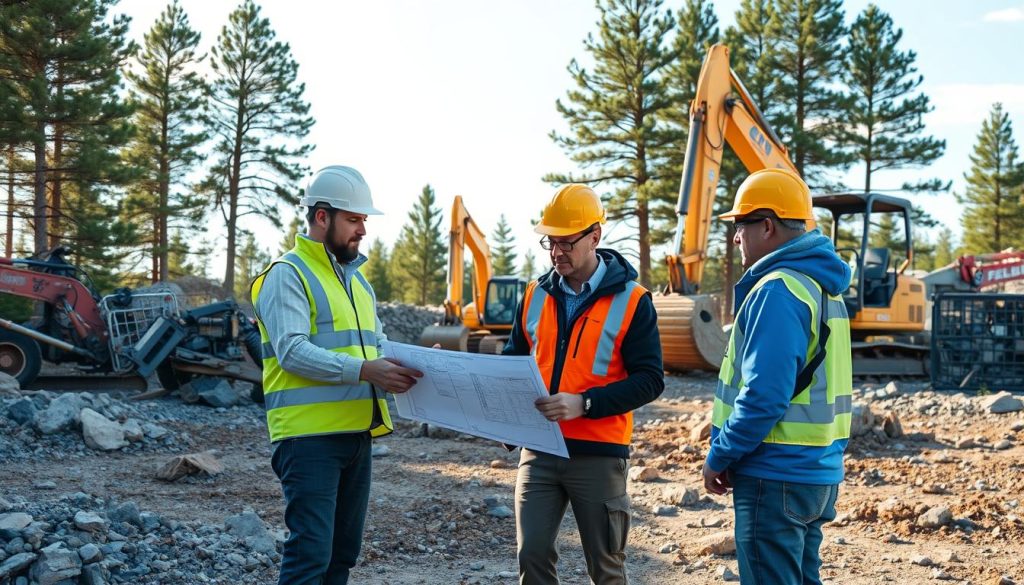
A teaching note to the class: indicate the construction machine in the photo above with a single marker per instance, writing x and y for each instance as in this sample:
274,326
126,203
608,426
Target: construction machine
886,306
127,332
467,328
976,272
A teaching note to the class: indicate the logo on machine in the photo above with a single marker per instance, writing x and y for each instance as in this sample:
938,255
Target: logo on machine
12,279
760,140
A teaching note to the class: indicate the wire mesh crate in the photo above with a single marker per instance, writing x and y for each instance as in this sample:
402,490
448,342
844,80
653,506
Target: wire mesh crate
128,319
978,341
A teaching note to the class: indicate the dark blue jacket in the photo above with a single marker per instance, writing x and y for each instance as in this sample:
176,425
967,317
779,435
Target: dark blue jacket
641,351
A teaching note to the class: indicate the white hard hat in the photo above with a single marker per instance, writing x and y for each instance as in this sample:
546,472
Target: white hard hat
341,188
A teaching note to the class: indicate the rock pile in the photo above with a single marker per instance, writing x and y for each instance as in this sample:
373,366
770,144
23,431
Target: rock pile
404,323
80,538
48,425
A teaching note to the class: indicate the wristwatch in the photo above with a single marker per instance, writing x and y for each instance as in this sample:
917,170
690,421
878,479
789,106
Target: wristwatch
586,404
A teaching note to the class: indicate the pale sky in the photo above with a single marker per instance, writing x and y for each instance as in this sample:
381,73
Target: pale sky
461,94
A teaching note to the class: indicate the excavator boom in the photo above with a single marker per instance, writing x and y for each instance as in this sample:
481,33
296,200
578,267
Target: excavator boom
721,112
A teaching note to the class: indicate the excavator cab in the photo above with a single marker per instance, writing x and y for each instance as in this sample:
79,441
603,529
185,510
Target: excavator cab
503,294
881,296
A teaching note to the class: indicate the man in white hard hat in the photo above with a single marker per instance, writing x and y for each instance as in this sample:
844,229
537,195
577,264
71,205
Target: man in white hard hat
324,379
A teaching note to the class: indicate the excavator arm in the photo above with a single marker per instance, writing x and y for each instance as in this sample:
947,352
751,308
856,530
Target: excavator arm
722,112
465,232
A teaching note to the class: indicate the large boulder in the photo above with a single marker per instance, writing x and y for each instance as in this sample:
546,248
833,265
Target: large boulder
56,565
1002,402
100,432
60,415
250,528
22,411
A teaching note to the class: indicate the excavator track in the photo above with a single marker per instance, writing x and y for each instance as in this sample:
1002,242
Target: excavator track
691,335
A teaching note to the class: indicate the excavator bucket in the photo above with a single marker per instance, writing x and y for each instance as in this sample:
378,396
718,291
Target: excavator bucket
692,337
453,337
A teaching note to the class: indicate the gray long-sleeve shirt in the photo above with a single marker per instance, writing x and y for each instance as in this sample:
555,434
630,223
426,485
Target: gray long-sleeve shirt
284,311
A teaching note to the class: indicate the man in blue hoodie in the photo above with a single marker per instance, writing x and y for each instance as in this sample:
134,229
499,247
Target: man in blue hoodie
781,417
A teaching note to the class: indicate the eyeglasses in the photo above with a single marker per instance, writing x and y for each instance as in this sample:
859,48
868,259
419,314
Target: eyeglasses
548,244
750,220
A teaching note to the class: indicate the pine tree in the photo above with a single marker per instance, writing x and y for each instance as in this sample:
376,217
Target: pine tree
503,253
885,120
697,31
294,229
251,259
420,257
529,269
993,217
808,56
61,61
182,260
614,115
752,56
258,118
944,248
376,270
169,96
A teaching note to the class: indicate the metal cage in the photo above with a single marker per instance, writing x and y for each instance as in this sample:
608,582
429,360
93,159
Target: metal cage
978,341
127,324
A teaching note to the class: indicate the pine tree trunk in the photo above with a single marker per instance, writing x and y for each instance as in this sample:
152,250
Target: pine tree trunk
9,242
57,191
644,236
39,200
162,211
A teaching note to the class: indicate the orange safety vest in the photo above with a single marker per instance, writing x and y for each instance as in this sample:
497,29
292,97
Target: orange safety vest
591,353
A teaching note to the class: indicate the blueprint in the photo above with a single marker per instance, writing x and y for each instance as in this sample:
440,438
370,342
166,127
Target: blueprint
488,396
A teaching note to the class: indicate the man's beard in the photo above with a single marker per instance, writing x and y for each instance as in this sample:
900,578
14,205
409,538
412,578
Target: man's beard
345,254
342,253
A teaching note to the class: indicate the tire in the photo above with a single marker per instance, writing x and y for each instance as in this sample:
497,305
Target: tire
20,357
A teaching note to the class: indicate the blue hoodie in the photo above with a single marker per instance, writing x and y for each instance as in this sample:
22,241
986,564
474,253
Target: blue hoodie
777,327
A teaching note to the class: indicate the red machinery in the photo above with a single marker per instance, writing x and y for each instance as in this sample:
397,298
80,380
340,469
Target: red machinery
125,332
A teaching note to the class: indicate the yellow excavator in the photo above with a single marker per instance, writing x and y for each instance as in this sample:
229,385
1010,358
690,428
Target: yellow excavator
465,328
886,307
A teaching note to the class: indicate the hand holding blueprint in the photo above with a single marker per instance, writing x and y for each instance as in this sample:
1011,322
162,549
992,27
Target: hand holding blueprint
487,396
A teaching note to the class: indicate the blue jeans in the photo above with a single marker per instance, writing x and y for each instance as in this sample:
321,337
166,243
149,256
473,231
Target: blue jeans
778,529
326,484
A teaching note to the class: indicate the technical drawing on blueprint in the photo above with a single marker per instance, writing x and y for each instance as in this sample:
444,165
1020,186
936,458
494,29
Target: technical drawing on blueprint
484,395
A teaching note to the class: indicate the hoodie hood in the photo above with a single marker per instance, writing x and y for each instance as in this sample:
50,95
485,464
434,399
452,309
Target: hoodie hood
812,254
619,272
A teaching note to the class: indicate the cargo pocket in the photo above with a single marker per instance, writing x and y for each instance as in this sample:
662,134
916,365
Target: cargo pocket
618,523
805,503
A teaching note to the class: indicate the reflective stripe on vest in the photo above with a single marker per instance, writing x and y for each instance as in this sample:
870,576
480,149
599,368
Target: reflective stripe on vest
820,413
592,353
298,406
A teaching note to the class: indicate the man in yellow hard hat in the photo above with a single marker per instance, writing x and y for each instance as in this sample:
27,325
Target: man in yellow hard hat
782,408
594,334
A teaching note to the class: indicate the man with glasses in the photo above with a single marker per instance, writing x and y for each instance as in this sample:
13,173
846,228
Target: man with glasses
781,417
594,334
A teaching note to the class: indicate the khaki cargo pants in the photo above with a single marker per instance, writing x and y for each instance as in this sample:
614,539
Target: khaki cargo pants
596,488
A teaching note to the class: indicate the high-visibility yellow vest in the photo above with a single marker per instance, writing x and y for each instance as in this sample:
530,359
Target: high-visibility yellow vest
298,406
820,413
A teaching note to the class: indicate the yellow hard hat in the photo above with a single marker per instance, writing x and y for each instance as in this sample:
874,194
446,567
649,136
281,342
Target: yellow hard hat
779,190
573,209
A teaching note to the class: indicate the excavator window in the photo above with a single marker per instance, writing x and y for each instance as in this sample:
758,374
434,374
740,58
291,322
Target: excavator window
502,297
879,281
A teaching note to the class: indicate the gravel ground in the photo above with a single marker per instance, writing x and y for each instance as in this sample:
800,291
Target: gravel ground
933,491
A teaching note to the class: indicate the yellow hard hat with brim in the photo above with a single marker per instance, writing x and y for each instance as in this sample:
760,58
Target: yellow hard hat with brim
779,190
573,209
